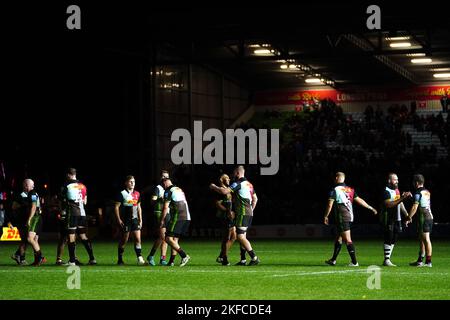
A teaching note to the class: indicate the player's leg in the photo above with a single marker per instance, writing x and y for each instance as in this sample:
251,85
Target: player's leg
172,238
137,245
33,239
388,244
428,248
242,238
62,239
82,229
121,246
346,237
162,259
230,240
337,249
173,252
19,255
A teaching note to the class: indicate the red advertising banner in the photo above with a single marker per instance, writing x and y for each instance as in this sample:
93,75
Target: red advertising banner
422,93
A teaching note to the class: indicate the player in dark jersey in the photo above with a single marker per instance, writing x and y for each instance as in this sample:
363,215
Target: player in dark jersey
74,199
244,202
342,198
422,203
158,203
28,213
180,217
129,216
226,215
391,216
55,210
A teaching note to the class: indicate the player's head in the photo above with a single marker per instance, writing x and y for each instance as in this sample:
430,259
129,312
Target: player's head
166,182
130,182
224,180
340,177
418,180
393,180
239,172
164,174
71,173
28,185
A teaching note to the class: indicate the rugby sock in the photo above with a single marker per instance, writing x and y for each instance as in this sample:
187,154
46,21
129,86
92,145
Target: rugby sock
392,249
252,254
120,252
421,256
181,252
351,252
152,252
337,249
387,251
243,251
138,250
37,256
428,259
71,246
172,259
22,256
88,245
163,258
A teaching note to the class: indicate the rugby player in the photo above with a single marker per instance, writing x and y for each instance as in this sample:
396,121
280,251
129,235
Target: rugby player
178,225
28,210
342,198
74,200
226,216
158,203
129,217
244,202
422,203
390,217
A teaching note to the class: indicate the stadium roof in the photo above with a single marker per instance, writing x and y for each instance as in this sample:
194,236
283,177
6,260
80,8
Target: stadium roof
328,41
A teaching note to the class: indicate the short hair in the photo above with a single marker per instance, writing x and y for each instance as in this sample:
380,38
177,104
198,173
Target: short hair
340,174
240,169
72,171
419,178
391,174
164,172
222,177
128,178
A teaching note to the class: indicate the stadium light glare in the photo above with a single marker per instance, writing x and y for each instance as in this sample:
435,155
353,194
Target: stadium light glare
416,54
397,38
400,44
262,51
441,75
284,66
422,60
313,80
292,66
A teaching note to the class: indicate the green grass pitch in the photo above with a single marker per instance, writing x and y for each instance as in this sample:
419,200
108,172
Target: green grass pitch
289,270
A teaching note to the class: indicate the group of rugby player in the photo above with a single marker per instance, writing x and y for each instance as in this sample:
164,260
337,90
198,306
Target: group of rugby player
342,197
235,204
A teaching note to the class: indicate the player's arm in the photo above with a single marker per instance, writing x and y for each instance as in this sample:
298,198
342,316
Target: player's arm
32,212
413,211
328,210
220,206
403,210
139,210
254,200
220,190
390,204
117,213
85,200
364,204
155,195
164,213
15,205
